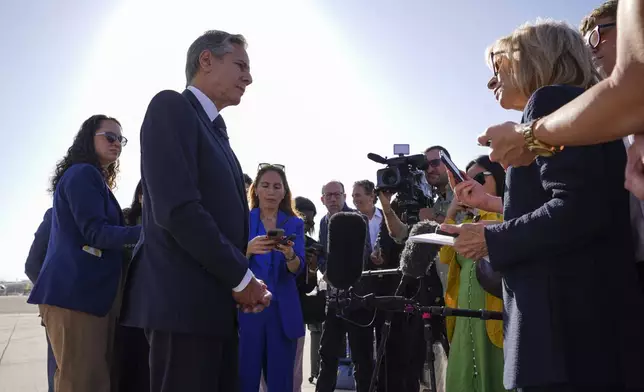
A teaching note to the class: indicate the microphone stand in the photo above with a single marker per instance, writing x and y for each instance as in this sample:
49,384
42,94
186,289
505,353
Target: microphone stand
384,335
400,304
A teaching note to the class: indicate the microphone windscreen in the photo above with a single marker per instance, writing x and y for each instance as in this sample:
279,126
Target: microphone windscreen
416,257
346,248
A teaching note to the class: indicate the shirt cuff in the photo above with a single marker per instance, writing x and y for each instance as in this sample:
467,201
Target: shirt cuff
244,282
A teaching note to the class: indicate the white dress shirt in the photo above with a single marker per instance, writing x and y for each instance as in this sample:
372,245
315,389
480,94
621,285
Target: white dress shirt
212,112
374,226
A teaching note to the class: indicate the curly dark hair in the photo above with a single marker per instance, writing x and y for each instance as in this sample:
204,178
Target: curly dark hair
83,151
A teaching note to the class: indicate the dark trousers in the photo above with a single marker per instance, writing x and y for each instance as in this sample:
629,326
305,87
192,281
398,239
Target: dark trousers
132,353
188,362
332,349
51,365
316,335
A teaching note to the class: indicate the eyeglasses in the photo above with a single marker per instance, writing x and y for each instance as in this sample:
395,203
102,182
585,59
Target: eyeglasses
434,162
593,37
480,178
495,66
329,195
277,166
112,137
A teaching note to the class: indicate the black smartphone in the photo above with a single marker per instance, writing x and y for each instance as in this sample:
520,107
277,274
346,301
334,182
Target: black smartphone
275,234
451,167
285,240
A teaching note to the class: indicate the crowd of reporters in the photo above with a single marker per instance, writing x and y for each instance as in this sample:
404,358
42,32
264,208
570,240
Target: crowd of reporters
556,223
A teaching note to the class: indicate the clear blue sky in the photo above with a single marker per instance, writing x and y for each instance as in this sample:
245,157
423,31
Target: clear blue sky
334,80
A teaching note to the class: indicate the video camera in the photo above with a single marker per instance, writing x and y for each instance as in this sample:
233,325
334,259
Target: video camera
405,175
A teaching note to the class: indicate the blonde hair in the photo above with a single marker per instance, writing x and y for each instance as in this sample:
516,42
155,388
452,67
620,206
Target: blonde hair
546,53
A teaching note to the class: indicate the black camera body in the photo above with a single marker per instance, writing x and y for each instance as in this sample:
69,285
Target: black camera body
405,176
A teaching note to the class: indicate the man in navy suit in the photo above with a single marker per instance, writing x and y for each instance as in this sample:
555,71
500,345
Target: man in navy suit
189,269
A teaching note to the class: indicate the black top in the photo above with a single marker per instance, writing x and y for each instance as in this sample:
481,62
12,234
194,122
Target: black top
573,310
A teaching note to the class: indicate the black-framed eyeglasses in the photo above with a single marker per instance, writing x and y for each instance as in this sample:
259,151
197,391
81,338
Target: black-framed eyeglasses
113,137
480,177
277,166
593,37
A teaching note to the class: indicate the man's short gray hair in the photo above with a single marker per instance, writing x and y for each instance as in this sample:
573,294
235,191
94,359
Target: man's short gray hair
217,42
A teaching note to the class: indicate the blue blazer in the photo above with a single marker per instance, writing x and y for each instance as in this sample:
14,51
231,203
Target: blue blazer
38,249
283,282
195,223
85,213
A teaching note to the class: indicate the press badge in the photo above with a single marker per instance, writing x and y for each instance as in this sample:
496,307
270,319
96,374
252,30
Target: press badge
93,251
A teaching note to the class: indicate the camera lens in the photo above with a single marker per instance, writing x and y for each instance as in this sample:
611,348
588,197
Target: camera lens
389,177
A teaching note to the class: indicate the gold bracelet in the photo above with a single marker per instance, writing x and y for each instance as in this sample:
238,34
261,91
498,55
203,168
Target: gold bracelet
533,144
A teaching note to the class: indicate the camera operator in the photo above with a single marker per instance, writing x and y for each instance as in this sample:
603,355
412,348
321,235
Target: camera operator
335,329
436,175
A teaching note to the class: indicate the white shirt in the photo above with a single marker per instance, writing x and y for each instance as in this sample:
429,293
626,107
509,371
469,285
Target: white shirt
212,112
374,226
637,215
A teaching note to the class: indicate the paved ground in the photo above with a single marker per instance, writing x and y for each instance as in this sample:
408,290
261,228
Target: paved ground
23,349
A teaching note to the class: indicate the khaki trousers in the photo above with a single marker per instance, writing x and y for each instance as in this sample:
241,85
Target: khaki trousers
83,347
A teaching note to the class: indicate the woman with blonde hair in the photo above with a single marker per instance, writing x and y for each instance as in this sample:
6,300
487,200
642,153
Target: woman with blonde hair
573,311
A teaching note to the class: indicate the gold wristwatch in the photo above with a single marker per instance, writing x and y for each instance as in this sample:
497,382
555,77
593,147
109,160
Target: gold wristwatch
533,144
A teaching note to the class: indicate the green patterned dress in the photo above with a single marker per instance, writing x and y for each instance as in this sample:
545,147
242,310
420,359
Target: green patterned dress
475,364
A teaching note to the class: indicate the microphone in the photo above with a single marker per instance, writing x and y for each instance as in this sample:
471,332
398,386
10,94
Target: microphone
377,158
346,249
416,257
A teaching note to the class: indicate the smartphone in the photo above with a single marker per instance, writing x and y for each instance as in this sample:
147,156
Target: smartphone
285,240
275,234
451,167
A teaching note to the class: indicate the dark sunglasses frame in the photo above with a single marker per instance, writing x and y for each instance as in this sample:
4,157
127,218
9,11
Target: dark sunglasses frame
597,31
434,162
111,137
480,177
271,165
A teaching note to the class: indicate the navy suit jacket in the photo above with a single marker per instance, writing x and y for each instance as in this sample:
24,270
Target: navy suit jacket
85,213
573,310
195,223
38,250
284,290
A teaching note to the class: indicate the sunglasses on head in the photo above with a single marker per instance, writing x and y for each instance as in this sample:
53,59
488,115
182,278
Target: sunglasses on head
113,137
593,37
271,165
480,178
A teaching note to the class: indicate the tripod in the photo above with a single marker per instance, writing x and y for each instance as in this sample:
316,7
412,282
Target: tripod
401,304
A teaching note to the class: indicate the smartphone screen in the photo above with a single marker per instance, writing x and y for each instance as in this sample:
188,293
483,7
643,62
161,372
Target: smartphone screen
451,167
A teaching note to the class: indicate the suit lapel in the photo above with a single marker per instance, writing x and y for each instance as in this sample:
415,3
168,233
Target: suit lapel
222,140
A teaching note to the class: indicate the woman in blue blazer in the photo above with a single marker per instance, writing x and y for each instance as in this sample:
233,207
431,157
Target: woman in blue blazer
78,287
268,340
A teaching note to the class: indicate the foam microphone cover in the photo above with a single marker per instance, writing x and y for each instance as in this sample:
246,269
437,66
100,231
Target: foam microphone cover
346,248
416,257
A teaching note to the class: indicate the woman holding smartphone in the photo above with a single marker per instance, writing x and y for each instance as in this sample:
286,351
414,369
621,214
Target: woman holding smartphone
268,340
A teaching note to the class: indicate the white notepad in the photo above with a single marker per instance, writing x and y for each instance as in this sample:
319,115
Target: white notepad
437,239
